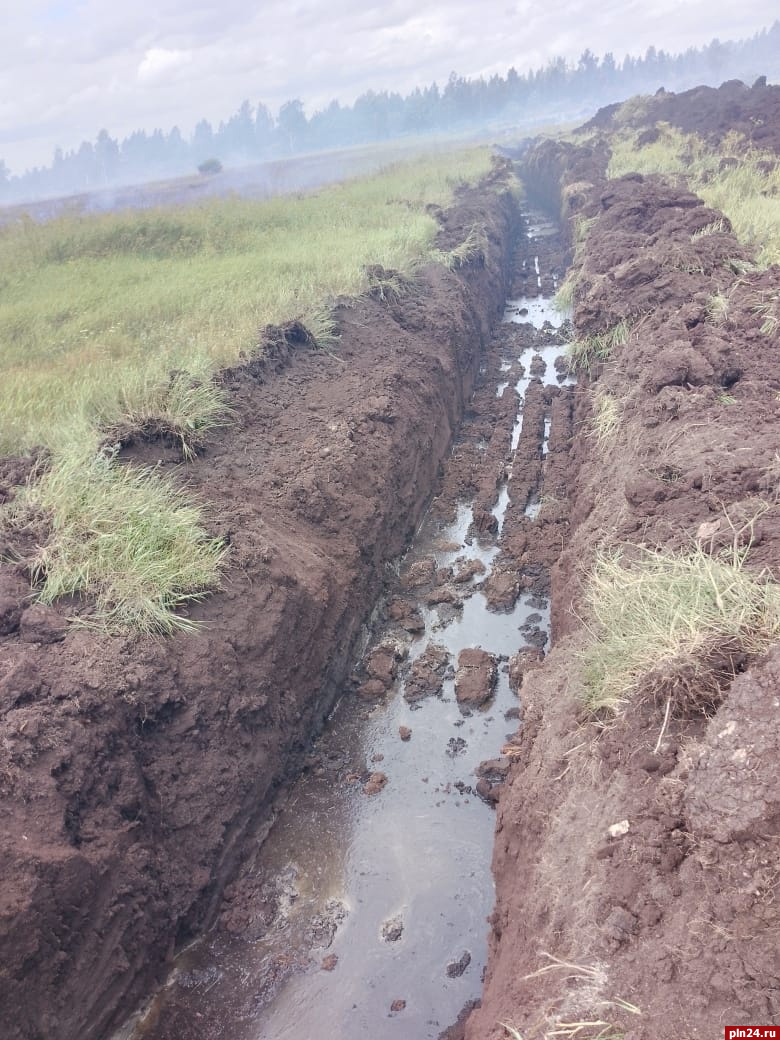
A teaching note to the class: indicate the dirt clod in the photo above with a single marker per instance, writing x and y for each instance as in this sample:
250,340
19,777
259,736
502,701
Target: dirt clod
457,967
375,783
475,679
393,929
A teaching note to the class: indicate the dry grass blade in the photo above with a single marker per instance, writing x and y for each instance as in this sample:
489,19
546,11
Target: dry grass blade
606,419
579,971
514,1033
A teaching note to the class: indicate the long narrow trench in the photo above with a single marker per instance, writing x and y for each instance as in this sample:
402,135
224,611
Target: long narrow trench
363,911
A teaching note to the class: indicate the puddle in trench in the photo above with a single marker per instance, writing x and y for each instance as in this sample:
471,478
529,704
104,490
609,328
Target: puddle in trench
536,311
341,864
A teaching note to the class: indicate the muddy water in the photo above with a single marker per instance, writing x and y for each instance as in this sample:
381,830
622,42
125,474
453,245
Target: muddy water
365,914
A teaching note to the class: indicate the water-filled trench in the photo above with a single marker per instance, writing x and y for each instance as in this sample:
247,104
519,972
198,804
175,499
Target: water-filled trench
364,914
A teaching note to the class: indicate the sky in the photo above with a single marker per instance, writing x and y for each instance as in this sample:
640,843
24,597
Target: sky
69,68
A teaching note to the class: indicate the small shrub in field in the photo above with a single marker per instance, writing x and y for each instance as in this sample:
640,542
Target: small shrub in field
210,167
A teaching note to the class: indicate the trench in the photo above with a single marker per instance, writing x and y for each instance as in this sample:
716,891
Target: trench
362,909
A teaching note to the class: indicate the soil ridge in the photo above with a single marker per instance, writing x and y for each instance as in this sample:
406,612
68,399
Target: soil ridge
633,861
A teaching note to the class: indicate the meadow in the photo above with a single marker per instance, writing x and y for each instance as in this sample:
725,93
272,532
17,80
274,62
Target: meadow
122,320
95,312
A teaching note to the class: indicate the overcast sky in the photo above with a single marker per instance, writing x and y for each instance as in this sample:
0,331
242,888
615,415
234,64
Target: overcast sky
71,67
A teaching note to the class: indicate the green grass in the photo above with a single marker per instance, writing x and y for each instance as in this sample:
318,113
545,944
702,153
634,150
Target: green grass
586,352
564,299
747,190
582,228
472,249
91,308
114,326
673,622
125,536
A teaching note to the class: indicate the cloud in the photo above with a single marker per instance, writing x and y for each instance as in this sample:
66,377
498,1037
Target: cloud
68,68
158,64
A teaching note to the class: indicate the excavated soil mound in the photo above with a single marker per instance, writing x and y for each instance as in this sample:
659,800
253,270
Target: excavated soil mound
133,768
636,857
711,112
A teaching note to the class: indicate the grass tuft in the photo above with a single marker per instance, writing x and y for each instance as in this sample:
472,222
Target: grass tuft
389,286
678,623
715,227
564,299
718,308
473,249
606,419
185,410
582,228
767,308
587,352
123,535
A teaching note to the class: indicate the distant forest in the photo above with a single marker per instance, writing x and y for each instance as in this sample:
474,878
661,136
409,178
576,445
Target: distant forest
558,90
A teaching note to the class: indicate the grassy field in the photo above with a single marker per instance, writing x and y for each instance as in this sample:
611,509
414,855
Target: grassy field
96,311
121,320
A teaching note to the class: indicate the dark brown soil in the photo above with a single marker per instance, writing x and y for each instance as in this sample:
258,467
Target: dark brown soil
635,862
646,860
712,112
133,768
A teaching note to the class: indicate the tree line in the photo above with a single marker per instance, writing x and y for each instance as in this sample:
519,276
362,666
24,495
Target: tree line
560,89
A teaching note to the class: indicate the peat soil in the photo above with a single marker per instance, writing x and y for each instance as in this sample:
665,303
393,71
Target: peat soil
362,911
636,863
712,112
133,768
